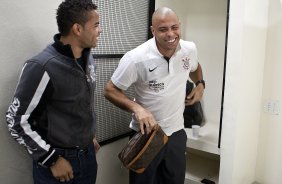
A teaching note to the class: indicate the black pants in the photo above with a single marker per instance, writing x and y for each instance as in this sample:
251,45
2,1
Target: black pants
168,167
83,162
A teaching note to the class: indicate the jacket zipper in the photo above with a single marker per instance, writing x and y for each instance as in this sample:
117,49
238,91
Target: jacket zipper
88,80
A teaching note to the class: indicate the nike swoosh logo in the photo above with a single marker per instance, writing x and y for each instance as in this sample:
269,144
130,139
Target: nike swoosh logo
150,70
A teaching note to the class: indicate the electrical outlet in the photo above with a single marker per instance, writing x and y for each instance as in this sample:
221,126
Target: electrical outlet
272,107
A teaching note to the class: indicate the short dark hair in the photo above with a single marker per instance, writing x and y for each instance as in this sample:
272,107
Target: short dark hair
73,11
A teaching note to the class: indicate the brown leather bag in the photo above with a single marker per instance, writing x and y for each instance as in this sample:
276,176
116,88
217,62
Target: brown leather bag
142,149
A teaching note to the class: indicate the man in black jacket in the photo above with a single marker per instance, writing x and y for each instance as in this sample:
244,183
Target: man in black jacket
52,112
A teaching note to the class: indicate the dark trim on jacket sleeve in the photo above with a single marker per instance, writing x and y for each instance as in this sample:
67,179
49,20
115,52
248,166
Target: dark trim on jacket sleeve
49,159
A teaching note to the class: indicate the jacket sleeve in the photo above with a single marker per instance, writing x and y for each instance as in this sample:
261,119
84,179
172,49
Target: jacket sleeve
29,92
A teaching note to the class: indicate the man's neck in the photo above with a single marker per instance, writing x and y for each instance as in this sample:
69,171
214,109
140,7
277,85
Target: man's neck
166,53
76,50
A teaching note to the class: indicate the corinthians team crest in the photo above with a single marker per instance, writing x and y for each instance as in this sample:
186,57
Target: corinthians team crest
186,62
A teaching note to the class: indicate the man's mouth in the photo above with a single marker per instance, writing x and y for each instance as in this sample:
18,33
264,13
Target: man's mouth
171,41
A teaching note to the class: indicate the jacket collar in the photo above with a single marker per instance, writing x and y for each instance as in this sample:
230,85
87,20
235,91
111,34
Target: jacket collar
66,49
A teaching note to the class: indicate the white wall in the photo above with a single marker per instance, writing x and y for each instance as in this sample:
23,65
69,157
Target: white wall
243,92
26,28
110,169
269,167
205,24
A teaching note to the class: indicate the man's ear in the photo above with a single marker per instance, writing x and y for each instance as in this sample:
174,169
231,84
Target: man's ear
152,30
76,29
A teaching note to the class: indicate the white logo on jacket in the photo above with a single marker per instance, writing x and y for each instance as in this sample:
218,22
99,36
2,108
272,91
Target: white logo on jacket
92,73
11,114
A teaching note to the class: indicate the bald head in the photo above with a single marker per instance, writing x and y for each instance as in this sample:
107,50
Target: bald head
166,30
161,13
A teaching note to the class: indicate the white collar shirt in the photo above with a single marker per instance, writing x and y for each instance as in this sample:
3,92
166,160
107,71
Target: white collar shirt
159,84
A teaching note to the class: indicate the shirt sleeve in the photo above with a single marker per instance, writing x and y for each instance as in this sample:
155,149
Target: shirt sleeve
126,73
28,94
194,57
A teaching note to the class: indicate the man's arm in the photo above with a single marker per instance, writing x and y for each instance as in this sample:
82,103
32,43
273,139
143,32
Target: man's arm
197,93
29,94
96,145
118,98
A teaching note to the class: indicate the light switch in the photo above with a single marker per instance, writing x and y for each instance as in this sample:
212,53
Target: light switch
272,107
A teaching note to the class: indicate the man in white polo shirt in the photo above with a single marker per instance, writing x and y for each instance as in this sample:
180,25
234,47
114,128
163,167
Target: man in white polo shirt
158,70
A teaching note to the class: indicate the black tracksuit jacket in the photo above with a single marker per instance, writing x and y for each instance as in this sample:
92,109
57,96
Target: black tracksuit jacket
53,105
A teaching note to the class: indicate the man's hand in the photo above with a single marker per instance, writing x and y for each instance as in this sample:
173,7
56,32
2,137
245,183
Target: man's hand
145,119
62,170
195,95
96,145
